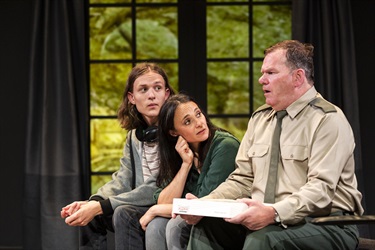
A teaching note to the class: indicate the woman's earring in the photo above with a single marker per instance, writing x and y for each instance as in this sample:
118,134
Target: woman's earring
172,133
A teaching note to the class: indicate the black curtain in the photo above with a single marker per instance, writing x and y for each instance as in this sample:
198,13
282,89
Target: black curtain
327,24
56,149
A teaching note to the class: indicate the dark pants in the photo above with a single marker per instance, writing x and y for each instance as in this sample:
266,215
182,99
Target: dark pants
94,235
129,234
215,233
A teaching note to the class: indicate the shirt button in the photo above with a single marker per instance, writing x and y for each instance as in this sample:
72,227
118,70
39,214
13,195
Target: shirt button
291,156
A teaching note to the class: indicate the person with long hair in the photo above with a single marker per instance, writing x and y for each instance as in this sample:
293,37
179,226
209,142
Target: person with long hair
134,184
195,157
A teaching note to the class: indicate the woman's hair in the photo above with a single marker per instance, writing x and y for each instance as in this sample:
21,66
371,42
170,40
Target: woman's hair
170,160
298,56
127,114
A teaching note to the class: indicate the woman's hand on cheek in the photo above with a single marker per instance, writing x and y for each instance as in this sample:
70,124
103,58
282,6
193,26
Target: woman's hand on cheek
182,147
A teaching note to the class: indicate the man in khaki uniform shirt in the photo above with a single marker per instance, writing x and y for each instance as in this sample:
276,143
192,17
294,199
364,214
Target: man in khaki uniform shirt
316,171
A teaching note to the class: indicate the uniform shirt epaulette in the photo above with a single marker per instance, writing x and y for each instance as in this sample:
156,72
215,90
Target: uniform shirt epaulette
323,104
261,108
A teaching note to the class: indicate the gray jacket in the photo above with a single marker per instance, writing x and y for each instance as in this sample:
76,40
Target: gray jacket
119,191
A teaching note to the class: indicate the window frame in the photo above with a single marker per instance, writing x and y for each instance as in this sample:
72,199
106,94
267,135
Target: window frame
192,50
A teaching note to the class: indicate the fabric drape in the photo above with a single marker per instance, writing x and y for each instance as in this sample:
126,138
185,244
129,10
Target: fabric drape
56,150
327,24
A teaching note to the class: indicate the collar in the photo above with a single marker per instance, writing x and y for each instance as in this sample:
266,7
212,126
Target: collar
297,106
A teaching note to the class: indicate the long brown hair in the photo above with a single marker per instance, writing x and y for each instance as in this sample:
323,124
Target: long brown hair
170,160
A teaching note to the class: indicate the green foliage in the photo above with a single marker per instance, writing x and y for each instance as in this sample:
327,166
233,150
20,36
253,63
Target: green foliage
107,83
258,97
155,41
99,180
111,33
107,141
107,39
228,88
236,126
227,31
271,24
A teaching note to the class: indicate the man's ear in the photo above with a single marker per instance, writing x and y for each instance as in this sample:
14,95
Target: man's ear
299,77
167,93
131,98
173,133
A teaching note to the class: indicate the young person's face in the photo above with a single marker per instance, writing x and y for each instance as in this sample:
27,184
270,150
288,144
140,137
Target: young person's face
277,80
149,94
190,123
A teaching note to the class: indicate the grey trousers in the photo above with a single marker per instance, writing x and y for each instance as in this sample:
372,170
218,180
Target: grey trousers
164,233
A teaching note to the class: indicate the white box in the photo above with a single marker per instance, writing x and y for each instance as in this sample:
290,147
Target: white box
221,208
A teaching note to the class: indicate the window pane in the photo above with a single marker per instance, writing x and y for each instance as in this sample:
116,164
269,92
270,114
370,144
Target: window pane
227,31
172,72
271,24
107,84
156,30
110,33
98,181
228,88
107,142
236,126
258,97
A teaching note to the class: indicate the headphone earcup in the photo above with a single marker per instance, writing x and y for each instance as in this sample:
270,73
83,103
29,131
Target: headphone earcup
150,134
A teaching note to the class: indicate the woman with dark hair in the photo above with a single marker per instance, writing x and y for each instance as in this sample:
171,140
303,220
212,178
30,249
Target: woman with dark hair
195,157
133,185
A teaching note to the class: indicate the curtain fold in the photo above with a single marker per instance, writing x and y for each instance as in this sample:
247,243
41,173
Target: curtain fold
327,24
56,150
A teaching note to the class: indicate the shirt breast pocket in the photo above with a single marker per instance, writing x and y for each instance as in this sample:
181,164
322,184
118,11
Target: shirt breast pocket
258,157
294,152
295,161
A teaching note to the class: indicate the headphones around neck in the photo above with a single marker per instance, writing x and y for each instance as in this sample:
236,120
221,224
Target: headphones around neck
150,134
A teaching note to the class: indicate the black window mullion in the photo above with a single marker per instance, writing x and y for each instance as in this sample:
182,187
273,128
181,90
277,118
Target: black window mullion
192,49
251,61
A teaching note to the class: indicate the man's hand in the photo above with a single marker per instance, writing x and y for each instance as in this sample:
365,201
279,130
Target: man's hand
71,208
84,214
255,217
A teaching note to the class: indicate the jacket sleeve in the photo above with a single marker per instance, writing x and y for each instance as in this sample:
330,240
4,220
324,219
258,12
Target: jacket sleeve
140,196
121,179
119,191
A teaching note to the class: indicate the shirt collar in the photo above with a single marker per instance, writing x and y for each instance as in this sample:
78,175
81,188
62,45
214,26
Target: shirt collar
297,106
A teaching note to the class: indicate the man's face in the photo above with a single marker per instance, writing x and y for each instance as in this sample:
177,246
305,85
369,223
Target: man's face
277,81
149,94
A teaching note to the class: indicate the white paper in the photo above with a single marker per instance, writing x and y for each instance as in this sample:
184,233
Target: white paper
221,208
